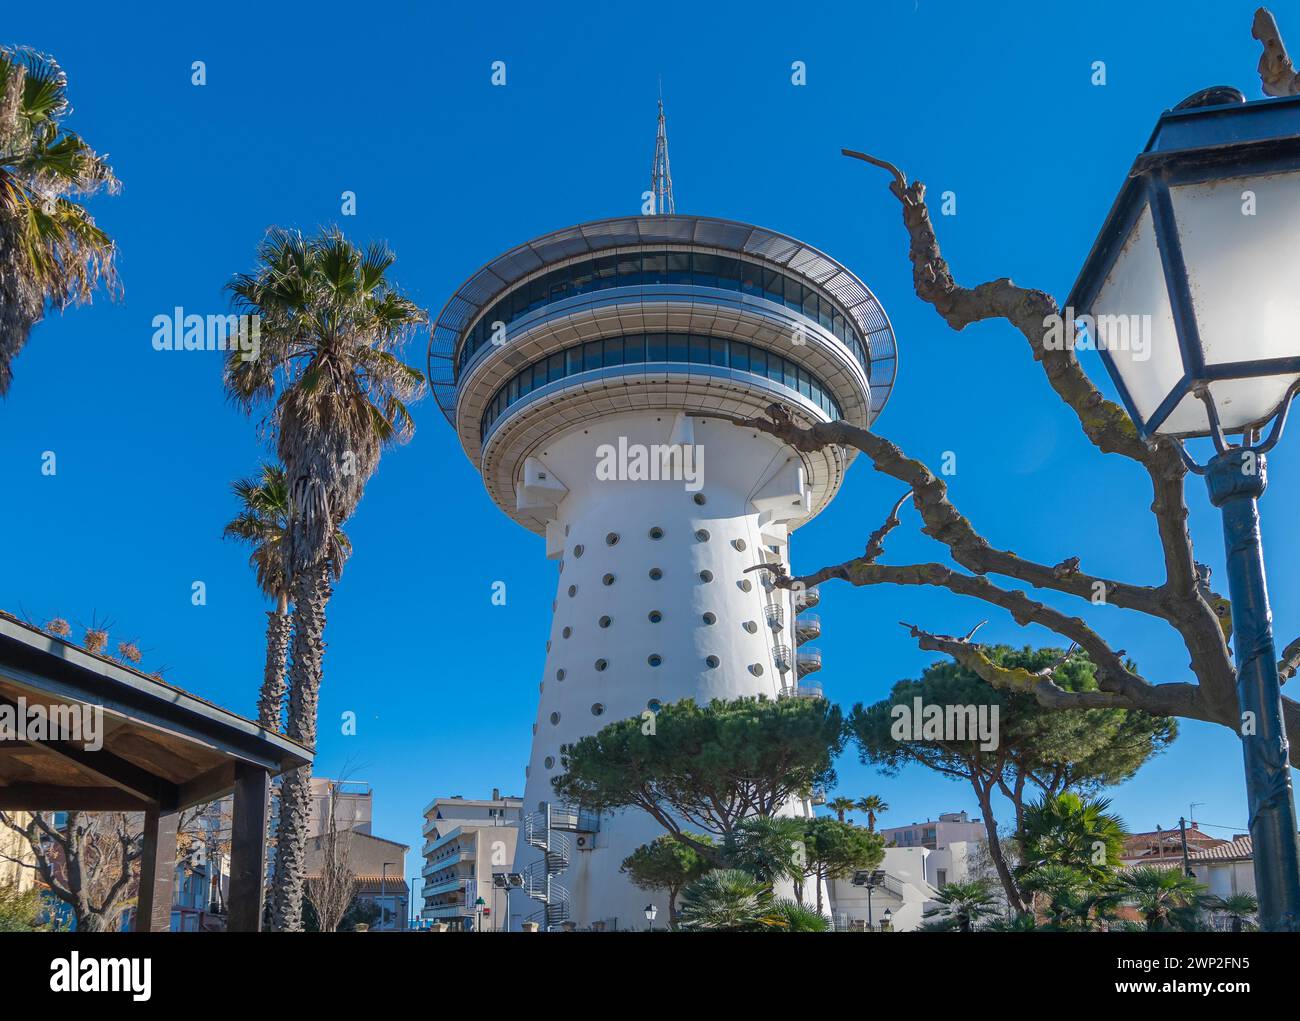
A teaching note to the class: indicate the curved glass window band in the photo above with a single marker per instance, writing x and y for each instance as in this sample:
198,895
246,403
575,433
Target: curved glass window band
642,348
630,269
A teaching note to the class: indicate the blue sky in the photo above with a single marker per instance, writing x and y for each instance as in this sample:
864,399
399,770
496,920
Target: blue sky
393,102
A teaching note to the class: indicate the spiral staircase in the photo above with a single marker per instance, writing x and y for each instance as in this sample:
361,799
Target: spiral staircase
547,831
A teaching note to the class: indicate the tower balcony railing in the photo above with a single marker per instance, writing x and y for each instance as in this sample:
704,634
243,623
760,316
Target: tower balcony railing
809,660
782,657
807,627
802,690
806,599
775,616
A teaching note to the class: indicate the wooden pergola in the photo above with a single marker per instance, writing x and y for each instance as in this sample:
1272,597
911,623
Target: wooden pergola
161,750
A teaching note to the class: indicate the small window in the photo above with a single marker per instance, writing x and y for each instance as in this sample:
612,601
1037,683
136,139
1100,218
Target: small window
611,539
750,626
549,762
655,616
654,659
608,579
573,591
700,499
559,674
706,576
702,535
745,585
712,662
656,533
756,669
579,549
567,632
555,719
739,544
601,664
605,621
655,574
597,709
710,619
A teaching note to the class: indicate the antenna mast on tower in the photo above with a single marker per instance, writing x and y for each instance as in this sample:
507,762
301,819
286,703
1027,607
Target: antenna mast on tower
661,176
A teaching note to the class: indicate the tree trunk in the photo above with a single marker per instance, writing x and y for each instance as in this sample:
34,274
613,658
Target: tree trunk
270,704
311,593
995,850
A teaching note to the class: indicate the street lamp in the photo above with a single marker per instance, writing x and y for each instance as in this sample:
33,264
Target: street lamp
886,921
1190,297
651,913
479,905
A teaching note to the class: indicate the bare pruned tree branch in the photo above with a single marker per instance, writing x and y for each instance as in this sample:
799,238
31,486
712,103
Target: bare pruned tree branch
1183,599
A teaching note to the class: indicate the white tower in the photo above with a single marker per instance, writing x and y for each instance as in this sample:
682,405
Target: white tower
559,363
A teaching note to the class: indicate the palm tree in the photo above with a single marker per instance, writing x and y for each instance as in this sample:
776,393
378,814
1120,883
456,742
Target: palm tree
767,847
1067,830
725,900
840,806
263,523
1166,898
873,805
1240,908
959,906
1071,899
329,376
51,252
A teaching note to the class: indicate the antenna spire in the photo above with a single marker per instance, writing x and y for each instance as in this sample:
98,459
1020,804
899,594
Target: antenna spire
661,176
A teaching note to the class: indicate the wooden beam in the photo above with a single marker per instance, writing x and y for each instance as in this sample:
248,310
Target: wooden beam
39,797
153,910
248,849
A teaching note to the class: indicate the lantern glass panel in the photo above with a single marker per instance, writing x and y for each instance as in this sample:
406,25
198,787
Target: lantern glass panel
1133,321
1236,400
1242,268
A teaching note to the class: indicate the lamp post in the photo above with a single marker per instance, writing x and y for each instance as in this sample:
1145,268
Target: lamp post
479,905
886,921
651,913
1190,298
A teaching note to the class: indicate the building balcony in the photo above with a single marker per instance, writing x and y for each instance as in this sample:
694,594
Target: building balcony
802,690
809,660
782,657
775,616
807,599
446,886
807,627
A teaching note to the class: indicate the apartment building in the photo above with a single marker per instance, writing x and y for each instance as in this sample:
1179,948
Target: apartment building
467,842
949,828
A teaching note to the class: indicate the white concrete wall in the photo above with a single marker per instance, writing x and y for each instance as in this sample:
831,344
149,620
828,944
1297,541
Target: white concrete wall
736,464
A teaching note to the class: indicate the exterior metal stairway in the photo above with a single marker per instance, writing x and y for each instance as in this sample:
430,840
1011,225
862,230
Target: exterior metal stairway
547,831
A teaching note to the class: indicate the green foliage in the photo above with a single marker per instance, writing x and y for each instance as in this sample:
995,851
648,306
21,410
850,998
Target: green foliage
959,906
837,848
1078,749
770,848
731,900
707,766
1166,898
1068,831
789,916
1241,909
19,910
667,863
1070,899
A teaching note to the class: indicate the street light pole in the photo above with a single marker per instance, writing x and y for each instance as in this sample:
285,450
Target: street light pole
1237,479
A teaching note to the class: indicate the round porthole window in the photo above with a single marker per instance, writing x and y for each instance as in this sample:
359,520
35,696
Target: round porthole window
611,539
555,718
712,662
706,576
655,616
654,705
607,580
549,762
710,618
739,544
654,659
601,664
573,591
597,709
702,535
567,632
750,626
756,669
700,499
559,674
745,585
656,533
655,574
579,549
605,621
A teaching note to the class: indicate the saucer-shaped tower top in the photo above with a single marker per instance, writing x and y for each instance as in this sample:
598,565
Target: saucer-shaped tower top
685,314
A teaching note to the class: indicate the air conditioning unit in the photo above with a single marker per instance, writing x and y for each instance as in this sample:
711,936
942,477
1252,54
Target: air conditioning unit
585,841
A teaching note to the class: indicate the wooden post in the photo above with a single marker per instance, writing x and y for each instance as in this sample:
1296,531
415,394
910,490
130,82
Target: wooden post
153,911
248,848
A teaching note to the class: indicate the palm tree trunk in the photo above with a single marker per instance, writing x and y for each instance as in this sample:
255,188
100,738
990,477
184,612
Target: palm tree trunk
311,592
270,704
